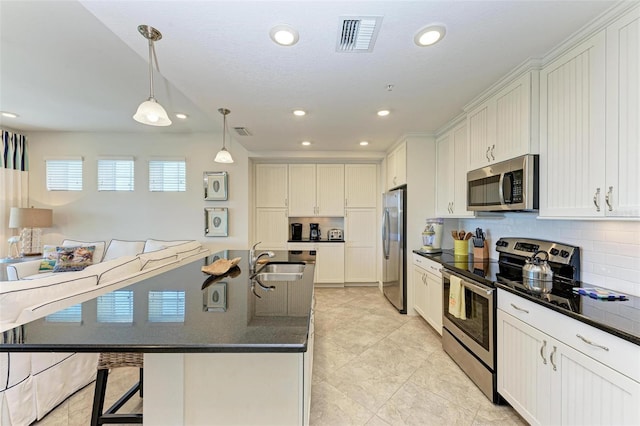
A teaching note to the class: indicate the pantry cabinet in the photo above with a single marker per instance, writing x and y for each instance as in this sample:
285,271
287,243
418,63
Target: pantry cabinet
397,166
360,249
272,228
316,190
329,267
427,288
505,125
451,173
270,185
360,185
550,375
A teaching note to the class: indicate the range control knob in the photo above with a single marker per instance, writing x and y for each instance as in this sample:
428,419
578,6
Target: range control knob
564,254
554,251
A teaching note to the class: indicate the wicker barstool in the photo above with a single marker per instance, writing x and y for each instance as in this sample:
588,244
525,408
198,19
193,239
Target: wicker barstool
106,361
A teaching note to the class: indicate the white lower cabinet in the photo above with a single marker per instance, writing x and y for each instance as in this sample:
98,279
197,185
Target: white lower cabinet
548,380
330,263
427,290
360,246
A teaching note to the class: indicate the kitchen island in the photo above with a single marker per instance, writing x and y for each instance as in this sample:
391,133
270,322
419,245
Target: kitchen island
217,349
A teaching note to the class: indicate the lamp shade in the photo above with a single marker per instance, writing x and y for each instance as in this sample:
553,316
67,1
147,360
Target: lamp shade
30,218
223,156
150,112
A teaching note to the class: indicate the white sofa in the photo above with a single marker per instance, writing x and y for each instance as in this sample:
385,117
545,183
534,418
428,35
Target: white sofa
32,384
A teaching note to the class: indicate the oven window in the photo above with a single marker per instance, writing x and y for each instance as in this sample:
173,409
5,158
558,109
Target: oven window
476,324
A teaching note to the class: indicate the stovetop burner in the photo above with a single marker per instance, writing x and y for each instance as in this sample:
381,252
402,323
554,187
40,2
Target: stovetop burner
561,295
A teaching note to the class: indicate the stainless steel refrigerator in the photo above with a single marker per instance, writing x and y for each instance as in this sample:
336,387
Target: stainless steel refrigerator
394,247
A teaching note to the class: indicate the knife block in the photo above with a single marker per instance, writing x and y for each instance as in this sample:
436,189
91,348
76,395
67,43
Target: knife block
481,253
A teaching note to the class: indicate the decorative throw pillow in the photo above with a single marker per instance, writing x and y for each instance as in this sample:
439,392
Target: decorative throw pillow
49,256
73,258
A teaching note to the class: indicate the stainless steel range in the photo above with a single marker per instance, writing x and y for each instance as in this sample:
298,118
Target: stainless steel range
469,331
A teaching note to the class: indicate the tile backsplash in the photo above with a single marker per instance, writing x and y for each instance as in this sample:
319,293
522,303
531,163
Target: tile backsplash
610,250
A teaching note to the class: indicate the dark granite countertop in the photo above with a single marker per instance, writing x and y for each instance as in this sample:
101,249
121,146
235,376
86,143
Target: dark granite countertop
620,318
182,310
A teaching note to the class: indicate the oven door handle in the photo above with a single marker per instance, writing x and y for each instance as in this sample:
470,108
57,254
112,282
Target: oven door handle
475,287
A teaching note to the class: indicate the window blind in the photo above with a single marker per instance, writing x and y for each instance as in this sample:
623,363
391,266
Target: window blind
167,175
166,306
64,174
115,174
72,314
116,307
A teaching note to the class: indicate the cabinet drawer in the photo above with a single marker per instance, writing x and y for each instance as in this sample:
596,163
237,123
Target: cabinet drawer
428,265
621,355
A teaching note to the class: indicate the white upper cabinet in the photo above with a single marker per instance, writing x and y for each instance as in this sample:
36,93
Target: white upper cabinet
397,166
451,173
360,185
316,190
271,185
272,228
572,131
504,126
622,170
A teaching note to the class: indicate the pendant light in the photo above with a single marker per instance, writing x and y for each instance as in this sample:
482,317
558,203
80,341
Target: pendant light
150,112
223,156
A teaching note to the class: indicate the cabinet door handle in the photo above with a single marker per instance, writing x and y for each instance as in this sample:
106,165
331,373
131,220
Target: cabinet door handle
553,352
544,345
608,198
589,342
519,309
596,199
492,148
486,154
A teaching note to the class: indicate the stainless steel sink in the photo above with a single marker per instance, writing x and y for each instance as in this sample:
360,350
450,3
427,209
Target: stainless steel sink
281,271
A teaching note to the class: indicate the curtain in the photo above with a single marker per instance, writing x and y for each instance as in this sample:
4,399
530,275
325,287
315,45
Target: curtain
14,182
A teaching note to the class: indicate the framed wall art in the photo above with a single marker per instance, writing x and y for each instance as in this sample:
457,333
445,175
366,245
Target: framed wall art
216,222
215,186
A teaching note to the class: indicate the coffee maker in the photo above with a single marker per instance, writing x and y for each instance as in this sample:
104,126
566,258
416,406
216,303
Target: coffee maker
296,231
314,231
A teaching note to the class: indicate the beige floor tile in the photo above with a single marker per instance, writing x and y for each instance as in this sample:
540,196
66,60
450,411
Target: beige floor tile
329,406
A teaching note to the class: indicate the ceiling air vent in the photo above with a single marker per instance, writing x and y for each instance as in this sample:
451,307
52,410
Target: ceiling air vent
242,131
358,34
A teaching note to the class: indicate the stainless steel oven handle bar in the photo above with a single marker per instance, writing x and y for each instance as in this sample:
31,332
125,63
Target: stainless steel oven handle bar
476,288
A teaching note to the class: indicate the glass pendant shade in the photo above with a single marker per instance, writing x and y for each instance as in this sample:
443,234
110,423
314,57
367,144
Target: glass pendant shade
150,112
223,156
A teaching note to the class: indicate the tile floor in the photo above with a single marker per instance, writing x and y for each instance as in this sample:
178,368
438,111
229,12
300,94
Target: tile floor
372,366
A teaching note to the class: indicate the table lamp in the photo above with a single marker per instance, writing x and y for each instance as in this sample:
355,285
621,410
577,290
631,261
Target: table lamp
30,221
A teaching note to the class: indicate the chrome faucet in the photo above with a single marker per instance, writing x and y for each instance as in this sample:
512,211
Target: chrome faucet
253,259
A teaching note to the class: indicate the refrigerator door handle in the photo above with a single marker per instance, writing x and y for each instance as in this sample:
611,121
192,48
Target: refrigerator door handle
385,233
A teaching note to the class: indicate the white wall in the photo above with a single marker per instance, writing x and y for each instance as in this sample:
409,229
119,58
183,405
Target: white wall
610,250
140,214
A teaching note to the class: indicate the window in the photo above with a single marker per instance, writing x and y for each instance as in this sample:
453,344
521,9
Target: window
167,175
116,306
166,306
115,174
72,314
64,174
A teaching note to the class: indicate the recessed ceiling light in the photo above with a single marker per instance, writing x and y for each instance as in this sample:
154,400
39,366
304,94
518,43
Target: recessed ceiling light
299,112
383,112
9,114
306,143
430,35
364,143
284,35
181,116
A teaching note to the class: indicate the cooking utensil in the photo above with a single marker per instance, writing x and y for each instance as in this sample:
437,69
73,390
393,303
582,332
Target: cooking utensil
454,234
537,275
461,234
468,236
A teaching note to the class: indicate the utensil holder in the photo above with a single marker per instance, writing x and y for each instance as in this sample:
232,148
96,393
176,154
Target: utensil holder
460,247
481,253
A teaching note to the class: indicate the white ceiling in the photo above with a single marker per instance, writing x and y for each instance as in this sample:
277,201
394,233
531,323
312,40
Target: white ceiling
82,66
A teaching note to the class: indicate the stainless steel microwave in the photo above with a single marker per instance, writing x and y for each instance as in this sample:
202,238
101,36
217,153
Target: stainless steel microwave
509,185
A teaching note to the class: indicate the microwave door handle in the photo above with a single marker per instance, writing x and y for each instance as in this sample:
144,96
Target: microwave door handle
501,189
